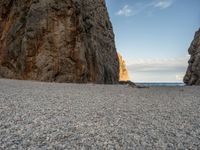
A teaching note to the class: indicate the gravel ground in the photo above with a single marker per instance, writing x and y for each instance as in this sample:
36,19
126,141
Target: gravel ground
36,115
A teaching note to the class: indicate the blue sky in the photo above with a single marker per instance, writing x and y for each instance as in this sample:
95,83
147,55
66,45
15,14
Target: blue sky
153,36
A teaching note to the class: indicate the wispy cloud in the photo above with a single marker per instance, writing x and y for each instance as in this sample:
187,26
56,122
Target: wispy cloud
162,4
132,10
125,11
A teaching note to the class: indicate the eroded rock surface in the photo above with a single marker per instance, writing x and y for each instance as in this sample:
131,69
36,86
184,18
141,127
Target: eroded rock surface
123,72
192,76
57,40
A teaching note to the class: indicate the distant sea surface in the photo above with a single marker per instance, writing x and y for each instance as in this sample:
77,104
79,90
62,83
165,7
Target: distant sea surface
161,84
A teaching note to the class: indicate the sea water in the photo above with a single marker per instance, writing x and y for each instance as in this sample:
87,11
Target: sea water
161,84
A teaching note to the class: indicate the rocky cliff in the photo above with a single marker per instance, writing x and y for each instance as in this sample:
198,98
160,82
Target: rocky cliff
192,76
57,40
123,72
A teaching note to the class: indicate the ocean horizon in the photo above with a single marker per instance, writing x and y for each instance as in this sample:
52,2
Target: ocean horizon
161,83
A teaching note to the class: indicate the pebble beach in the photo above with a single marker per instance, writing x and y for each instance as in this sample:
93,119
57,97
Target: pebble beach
38,115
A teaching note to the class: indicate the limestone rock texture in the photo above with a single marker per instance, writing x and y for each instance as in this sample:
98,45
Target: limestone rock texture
57,41
123,72
192,76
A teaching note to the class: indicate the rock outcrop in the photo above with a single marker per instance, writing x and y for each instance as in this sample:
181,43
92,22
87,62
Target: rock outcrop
192,76
57,41
123,72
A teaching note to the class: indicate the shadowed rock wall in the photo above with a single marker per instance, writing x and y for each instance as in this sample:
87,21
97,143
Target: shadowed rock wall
57,40
192,76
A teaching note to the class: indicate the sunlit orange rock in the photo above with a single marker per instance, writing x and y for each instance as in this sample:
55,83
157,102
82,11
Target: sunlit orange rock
123,72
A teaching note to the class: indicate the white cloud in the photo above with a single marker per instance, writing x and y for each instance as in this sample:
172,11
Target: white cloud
157,69
179,77
162,4
131,10
125,11
145,65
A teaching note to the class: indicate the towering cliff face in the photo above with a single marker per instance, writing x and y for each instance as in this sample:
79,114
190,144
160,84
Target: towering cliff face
57,40
123,72
192,76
